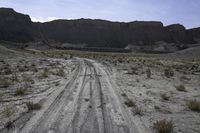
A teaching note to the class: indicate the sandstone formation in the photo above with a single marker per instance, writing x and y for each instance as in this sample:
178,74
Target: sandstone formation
18,27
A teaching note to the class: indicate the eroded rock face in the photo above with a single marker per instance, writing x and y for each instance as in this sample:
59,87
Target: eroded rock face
92,33
195,33
15,26
179,34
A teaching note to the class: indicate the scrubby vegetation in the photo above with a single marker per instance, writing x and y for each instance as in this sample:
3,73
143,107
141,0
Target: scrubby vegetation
164,96
168,72
33,106
193,105
60,72
138,111
8,111
148,71
20,91
124,94
129,103
163,126
5,82
180,88
45,73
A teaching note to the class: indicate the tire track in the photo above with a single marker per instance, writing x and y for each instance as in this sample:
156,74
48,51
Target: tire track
89,103
43,124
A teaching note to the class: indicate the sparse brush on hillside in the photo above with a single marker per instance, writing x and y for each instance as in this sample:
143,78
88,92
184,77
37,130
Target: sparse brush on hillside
45,73
8,111
163,126
168,72
148,71
129,103
60,72
181,88
138,111
164,96
20,91
5,82
14,76
194,105
124,94
33,106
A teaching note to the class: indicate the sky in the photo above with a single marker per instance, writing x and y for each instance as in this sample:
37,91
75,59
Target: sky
186,12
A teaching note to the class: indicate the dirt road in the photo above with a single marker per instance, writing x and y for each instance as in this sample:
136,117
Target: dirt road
89,103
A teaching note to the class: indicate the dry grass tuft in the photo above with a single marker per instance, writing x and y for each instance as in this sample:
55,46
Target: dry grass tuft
8,111
148,71
164,96
124,94
169,72
45,73
138,111
180,88
20,92
5,82
193,105
60,72
129,103
163,126
33,106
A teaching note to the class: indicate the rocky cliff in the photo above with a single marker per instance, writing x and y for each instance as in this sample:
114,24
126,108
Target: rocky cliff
18,27
195,33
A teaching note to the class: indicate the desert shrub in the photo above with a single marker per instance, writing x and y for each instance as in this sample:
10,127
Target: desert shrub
14,76
8,111
60,72
20,92
148,71
45,72
168,72
86,99
138,111
34,67
164,96
193,105
124,94
129,103
163,126
156,107
180,88
33,106
5,82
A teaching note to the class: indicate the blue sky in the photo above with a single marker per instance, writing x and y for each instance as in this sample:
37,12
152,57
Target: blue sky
186,12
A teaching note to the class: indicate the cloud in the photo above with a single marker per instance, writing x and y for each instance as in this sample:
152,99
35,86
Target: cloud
43,19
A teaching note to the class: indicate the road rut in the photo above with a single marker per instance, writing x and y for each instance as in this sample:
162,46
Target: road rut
89,103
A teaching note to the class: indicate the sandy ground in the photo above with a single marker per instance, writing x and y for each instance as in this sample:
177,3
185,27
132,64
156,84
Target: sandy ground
147,92
92,95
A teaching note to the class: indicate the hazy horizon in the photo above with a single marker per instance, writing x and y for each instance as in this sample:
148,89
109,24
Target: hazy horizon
168,12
